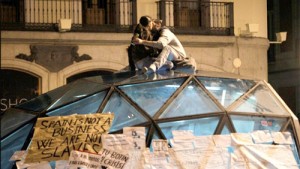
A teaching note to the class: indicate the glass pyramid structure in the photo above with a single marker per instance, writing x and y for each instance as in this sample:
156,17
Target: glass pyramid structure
204,102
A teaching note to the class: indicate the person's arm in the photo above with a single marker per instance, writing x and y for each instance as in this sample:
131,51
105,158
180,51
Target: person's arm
154,44
163,40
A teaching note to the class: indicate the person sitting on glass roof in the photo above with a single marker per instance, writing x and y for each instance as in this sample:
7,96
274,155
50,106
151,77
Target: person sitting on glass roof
170,46
140,56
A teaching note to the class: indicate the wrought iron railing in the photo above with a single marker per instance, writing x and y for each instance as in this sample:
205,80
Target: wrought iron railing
86,15
197,17
184,16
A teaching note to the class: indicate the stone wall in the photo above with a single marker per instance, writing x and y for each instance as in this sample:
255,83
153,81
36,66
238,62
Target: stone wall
54,56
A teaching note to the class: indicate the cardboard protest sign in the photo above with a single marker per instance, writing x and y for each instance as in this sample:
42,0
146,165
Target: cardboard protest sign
18,155
55,137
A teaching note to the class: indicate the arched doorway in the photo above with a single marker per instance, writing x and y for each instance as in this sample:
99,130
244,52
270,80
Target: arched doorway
17,87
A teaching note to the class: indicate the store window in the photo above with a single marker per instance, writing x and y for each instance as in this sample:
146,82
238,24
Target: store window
17,87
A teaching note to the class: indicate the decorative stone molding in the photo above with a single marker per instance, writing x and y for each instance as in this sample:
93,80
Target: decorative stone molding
30,68
54,57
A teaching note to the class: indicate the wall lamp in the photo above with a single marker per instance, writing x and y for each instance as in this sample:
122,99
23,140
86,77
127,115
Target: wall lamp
280,37
251,28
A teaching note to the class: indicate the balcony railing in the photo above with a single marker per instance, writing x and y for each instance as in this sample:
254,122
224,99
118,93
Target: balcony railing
197,17
183,16
86,15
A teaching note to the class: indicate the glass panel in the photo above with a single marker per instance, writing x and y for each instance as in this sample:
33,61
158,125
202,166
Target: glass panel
200,127
117,77
78,90
156,135
125,114
62,95
95,79
191,101
85,106
260,100
226,91
153,76
261,123
246,124
41,102
225,130
152,95
13,143
294,146
94,76
13,119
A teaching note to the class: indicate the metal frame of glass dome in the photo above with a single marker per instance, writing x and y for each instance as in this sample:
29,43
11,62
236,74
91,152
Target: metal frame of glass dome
179,100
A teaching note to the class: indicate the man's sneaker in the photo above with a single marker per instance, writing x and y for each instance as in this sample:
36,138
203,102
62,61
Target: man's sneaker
169,65
146,70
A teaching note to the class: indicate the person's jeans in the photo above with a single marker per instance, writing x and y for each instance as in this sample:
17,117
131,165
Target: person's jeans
145,62
165,58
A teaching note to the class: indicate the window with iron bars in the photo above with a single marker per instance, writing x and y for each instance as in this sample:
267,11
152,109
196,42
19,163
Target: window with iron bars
86,15
197,16
182,16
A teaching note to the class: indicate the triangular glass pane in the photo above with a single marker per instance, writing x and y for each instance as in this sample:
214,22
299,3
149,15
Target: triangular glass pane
225,130
226,90
63,95
294,145
13,143
152,95
191,101
155,136
247,124
81,88
160,75
125,114
117,77
260,100
200,127
290,130
12,119
85,106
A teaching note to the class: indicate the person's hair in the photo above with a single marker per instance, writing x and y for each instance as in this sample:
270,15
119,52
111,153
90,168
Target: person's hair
145,20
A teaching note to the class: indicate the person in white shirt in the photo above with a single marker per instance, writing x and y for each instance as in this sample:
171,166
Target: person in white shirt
170,46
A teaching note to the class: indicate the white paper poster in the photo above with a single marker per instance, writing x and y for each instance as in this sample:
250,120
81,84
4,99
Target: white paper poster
116,141
181,135
107,159
84,160
262,136
160,145
282,137
138,136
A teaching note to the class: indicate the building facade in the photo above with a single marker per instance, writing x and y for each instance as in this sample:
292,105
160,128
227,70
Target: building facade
214,34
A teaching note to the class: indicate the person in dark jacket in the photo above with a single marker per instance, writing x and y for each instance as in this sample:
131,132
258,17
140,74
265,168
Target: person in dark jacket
170,46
